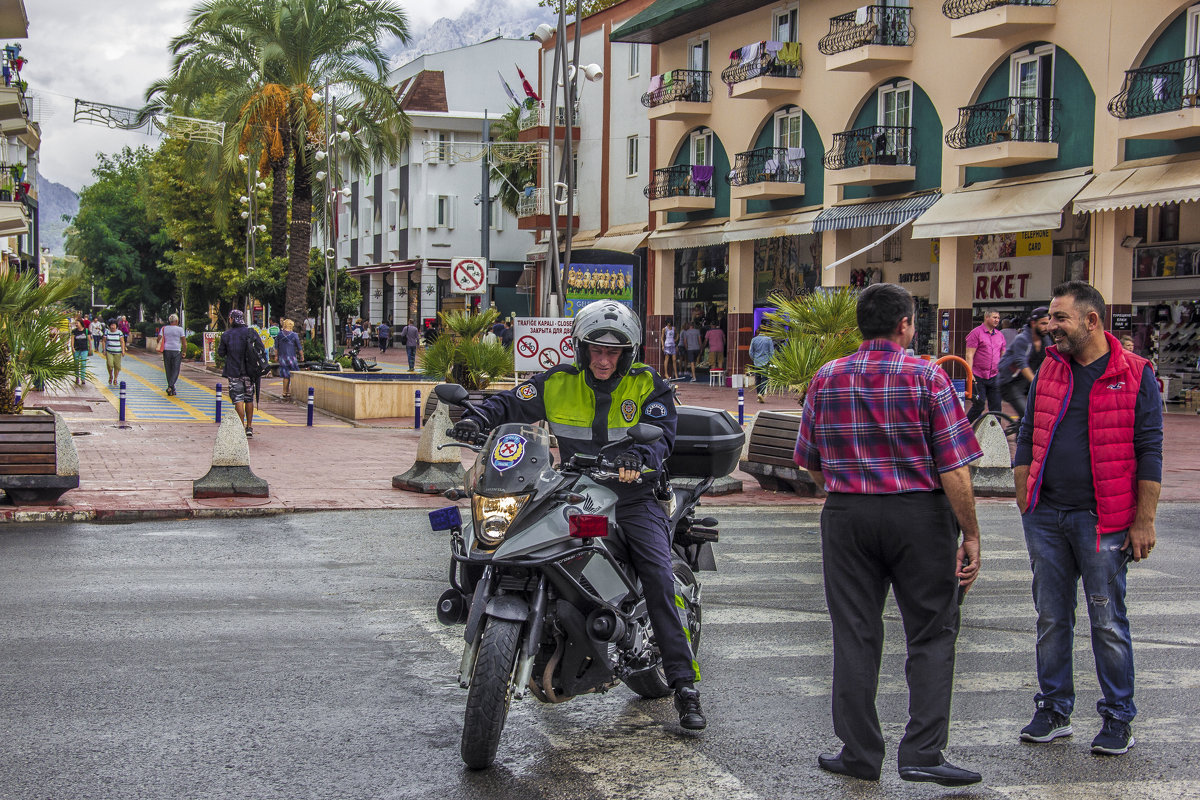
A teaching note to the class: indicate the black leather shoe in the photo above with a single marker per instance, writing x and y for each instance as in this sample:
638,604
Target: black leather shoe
687,703
945,774
831,763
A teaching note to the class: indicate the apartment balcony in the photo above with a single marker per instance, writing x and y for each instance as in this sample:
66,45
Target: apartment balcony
1161,101
993,19
764,70
871,156
868,38
767,173
1008,131
682,187
533,123
681,94
534,209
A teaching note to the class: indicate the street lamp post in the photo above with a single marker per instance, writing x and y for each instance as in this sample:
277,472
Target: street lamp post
249,203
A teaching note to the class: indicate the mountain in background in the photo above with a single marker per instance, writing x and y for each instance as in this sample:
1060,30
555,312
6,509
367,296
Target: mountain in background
54,200
486,20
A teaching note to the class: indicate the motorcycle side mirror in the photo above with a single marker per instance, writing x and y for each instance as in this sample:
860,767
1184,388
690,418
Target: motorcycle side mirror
645,434
451,393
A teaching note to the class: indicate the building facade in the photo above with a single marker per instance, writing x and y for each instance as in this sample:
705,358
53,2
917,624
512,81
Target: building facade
976,152
20,138
400,226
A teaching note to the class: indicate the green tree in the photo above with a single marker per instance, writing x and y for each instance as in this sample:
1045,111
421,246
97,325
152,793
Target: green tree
34,346
513,173
815,328
459,354
117,239
264,61
588,7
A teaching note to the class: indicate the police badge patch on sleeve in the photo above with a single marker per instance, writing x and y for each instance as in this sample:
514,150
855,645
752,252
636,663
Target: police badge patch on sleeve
656,411
629,410
527,391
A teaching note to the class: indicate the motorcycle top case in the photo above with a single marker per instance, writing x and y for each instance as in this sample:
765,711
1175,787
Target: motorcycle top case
708,443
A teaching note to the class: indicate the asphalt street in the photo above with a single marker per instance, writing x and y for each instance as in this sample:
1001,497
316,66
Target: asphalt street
299,657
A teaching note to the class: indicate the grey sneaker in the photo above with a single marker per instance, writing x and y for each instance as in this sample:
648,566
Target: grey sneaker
1046,726
1113,739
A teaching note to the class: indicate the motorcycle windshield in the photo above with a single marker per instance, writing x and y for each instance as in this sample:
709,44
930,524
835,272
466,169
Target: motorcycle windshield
515,460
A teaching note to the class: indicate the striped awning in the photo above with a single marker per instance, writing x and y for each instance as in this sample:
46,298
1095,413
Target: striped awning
379,269
879,213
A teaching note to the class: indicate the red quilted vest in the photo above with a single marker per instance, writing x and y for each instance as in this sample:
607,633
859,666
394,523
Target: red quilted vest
1111,413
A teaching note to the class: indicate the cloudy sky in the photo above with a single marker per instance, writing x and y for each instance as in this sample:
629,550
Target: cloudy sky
108,51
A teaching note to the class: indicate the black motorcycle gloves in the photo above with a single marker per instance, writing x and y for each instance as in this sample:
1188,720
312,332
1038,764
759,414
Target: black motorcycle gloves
630,459
466,430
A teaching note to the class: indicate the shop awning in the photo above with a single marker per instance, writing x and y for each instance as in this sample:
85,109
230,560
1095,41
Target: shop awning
881,212
585,239
682,235
745,230
623,238
538,252
1155,185
13,220
1001,207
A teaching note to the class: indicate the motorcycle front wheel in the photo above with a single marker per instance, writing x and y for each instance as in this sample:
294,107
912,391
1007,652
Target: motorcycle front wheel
490,693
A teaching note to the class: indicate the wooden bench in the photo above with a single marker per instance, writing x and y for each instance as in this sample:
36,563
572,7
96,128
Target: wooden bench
29,459
769,457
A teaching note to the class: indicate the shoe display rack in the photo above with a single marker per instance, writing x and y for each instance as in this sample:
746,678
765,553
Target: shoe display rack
1178,354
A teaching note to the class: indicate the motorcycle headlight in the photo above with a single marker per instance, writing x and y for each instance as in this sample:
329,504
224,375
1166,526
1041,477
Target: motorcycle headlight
493,515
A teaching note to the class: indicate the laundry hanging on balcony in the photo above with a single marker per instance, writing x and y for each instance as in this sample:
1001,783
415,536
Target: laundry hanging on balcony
789,54
702,178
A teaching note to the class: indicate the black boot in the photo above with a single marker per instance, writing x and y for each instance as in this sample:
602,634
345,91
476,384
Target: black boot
687,703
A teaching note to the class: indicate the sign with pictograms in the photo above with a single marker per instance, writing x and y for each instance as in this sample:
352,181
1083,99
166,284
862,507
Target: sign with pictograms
541,343
468,275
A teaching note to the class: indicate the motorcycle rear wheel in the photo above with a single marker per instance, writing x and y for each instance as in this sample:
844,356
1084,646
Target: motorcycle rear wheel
490,693
652,683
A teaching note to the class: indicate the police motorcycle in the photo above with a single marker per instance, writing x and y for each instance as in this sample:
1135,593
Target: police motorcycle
538,577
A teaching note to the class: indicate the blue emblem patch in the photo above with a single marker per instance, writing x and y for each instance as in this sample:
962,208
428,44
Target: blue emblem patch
510,449
656,411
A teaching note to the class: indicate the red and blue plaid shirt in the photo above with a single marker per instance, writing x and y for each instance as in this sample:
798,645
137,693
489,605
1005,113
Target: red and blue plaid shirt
883,422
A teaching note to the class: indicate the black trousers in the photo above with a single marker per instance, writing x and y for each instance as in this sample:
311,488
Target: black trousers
987,390
908,542
171,361
647,548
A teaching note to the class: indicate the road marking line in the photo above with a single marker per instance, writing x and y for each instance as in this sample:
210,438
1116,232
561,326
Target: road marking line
1140,789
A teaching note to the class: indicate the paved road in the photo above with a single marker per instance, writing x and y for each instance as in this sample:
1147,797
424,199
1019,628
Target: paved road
298,657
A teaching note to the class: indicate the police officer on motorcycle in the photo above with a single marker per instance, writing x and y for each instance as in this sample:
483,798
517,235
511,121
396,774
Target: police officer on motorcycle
589,404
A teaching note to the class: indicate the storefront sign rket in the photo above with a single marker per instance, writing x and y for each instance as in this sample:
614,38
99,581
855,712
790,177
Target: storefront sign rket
999,282
541,342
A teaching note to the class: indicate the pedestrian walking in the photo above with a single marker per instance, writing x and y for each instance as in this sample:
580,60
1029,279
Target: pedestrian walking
170,344
762,347
883,433
97,331
237,348
123,327
114,348
412,340
1020,362
690,339
310,327
506,337
289,347
1088,471
384,332
81,343
714,337
669,346
985,346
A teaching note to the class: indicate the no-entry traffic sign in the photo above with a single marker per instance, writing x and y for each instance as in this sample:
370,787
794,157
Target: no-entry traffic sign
467,275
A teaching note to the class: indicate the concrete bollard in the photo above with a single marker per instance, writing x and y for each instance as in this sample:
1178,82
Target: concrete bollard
992,475
230,475
435,470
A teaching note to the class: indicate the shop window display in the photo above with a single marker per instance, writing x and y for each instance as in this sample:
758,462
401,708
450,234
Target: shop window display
787,266
1167,261
702,285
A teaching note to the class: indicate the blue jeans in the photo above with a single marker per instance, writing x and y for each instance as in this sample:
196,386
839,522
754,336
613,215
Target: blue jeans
412,357
1062,549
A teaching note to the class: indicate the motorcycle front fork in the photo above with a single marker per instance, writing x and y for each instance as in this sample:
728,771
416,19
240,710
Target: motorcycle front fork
529,647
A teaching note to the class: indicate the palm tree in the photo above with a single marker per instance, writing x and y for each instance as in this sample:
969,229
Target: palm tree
816,328
459,354
264,62
34,347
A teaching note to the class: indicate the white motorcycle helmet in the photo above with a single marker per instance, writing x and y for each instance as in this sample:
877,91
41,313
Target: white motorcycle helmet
607,323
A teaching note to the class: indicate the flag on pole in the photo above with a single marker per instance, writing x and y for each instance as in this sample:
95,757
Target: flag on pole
529,92
508,89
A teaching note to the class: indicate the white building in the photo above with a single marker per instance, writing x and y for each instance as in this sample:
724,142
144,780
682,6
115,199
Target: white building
401,225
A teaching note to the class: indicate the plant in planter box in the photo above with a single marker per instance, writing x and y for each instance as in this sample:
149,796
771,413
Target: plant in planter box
459,355
815,328
34,347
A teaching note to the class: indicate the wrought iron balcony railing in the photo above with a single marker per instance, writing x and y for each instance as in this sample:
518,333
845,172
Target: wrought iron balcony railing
1009,119
890,25
538,115
687,85
537,202
764,59
957,9
1158,88
680,180
767,164
877,144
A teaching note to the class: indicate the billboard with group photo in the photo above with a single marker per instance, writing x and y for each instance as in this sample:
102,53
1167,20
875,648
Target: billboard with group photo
587,283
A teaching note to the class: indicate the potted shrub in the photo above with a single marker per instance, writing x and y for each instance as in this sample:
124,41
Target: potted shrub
815,328
459,354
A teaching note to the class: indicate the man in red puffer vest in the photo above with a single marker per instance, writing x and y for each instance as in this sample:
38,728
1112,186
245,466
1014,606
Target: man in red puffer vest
1088,471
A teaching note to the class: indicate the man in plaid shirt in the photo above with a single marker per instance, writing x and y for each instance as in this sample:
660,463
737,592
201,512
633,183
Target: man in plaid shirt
883,433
